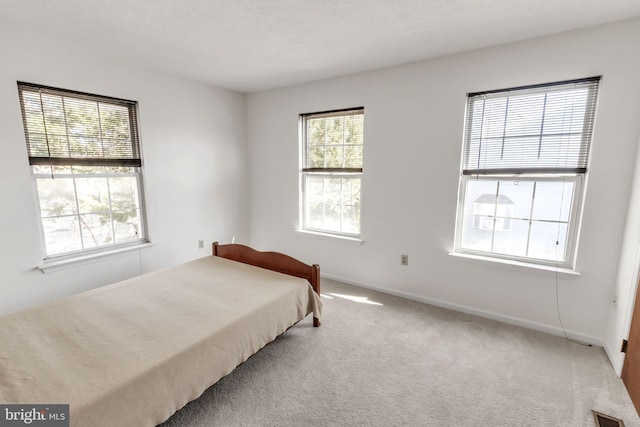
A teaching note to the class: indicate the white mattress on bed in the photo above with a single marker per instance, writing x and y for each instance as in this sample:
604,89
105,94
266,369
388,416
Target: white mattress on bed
132,353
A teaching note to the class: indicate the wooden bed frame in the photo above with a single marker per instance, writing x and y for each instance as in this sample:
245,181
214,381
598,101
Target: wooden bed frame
275,261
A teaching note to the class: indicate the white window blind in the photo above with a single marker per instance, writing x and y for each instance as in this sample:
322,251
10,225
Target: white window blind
333,141
535,129
72,128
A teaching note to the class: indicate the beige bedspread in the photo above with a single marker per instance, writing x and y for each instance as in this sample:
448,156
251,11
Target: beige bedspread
132,353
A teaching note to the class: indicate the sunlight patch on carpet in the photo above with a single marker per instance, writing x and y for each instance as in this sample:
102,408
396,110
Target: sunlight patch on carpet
362,300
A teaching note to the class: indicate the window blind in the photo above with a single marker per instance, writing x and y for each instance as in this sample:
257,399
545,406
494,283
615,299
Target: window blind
534,129
333,141
74,128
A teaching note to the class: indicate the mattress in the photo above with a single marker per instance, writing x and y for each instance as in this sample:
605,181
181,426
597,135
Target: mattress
132,353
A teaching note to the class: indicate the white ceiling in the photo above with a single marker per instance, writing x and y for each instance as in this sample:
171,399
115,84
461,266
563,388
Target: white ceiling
252,45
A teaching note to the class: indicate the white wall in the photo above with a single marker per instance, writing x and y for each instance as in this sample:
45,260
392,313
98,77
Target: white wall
413,133
195,165
625,288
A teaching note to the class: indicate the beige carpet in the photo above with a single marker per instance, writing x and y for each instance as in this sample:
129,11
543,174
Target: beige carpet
386,361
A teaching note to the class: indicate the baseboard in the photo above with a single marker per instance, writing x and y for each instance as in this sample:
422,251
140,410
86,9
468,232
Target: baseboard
615,358
540,327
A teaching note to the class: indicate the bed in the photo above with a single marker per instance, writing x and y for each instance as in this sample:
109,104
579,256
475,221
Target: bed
133,353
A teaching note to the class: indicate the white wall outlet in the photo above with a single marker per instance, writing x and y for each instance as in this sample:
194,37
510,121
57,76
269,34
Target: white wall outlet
201,244
404,259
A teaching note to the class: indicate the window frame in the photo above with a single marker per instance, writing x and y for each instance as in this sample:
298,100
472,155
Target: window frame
528,173
573,218
332,172
135,167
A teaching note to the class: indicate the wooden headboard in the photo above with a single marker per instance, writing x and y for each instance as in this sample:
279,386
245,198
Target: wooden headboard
275,261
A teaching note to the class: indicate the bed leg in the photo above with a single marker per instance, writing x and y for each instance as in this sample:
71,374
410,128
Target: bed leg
316,322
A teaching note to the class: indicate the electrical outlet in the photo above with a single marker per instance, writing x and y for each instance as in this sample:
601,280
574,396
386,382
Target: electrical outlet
404,259
200,244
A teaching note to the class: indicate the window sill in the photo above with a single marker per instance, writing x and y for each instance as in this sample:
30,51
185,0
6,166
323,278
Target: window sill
52,265
335,236
567,272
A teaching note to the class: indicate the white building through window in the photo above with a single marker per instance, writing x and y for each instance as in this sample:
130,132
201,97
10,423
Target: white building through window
525,157
85,159
489,208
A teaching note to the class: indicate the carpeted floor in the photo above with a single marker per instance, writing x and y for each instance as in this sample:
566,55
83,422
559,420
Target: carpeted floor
379,360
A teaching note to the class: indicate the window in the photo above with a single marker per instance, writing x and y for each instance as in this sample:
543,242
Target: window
331,171
85,159
524,161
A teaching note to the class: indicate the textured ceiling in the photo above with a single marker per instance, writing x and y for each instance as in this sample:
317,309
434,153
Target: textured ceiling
252,45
